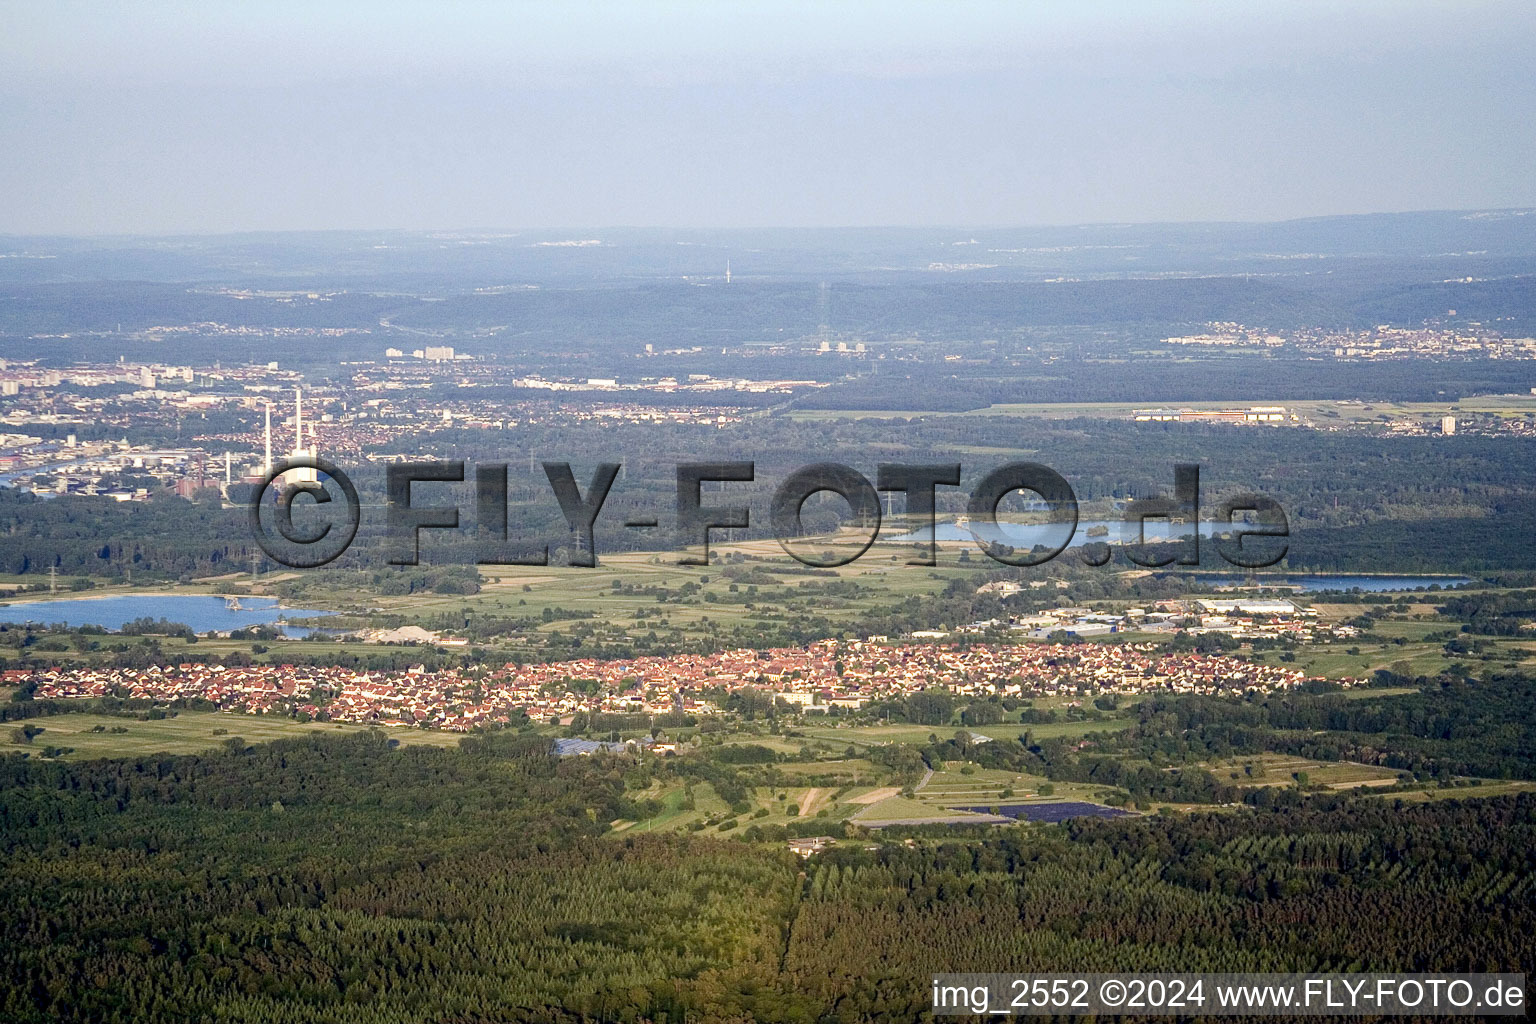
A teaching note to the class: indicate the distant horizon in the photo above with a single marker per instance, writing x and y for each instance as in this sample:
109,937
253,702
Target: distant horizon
513,231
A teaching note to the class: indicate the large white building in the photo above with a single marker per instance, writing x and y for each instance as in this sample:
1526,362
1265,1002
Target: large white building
1247,606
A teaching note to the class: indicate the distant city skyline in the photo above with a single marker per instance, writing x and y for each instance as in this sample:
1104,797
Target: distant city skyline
180,118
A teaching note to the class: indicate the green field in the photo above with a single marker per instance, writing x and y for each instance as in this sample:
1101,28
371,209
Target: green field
188,733
1415,655
965,785
873,735
712,610
1282,769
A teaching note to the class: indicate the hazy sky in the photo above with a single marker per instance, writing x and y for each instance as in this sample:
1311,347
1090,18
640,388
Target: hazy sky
211,116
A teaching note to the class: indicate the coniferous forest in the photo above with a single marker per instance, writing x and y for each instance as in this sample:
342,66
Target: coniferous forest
347,879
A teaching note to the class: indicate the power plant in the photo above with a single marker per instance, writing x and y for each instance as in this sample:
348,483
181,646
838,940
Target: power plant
303,474
300,450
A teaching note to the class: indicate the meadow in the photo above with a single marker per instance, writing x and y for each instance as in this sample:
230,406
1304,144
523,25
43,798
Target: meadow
187,732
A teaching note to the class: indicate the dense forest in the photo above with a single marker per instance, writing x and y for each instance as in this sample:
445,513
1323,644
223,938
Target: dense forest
1442,885
1451,728
345,879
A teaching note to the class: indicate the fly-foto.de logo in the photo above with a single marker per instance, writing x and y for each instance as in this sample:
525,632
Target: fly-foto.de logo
1248,530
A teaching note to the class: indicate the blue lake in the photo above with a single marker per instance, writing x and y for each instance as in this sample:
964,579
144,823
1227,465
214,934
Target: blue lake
1051,812
201,612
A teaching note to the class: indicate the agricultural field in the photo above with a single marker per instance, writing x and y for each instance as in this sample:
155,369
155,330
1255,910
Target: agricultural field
851,771
630,595
874,735
682,806
1413,656
696,806
1286,770
1479,788
966,785
189,732
1274,769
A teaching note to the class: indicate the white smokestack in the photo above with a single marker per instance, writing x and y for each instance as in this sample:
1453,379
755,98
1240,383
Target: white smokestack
298,420
266,466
